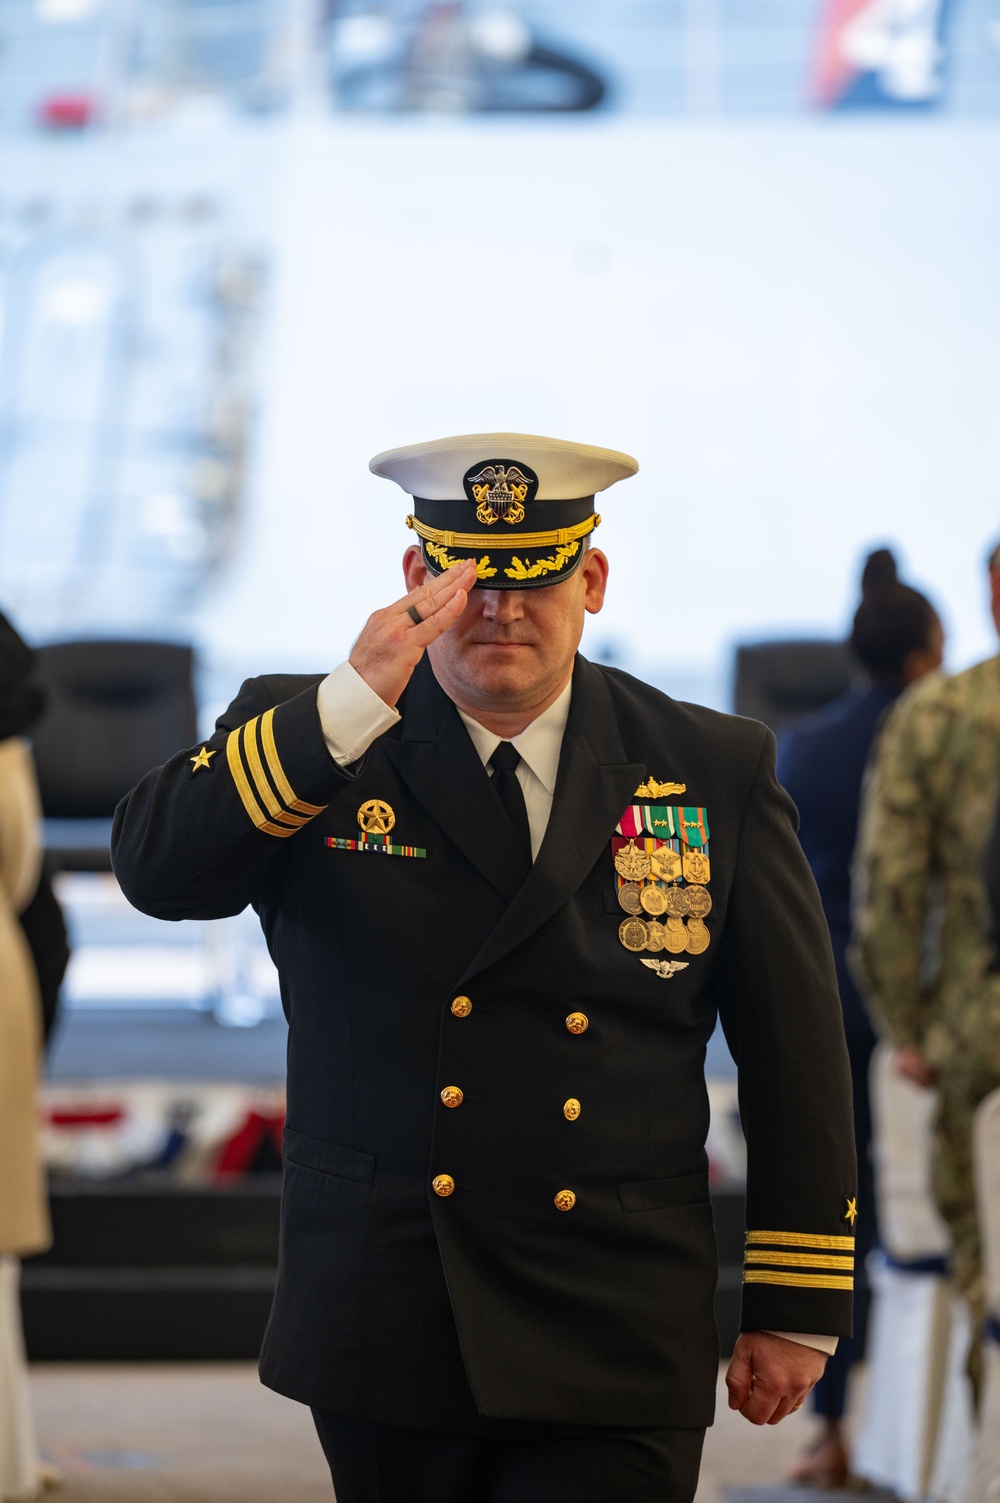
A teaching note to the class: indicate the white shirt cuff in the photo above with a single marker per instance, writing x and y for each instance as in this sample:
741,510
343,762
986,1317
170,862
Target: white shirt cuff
825,1344
351,714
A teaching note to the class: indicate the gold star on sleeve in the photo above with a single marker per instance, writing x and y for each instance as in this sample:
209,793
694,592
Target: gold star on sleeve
203,759
851,1214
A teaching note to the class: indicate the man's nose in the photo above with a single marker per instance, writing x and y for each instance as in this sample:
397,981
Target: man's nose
503,606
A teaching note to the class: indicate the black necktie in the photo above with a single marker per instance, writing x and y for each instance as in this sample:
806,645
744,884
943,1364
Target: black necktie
505,760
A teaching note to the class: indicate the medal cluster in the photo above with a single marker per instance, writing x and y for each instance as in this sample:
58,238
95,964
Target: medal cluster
663,883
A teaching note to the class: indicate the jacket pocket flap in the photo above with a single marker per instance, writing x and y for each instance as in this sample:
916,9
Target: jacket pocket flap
328,1158
656,1194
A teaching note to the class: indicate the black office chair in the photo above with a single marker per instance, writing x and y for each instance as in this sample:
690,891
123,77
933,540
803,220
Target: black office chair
114,709
779,682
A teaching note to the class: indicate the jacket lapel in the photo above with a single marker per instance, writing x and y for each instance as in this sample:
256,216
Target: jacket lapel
436,759
595,785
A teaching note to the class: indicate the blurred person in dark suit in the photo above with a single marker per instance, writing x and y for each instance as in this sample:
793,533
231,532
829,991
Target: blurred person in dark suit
897,638
24,1221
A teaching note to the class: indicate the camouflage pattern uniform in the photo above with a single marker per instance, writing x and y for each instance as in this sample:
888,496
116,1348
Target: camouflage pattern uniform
921,921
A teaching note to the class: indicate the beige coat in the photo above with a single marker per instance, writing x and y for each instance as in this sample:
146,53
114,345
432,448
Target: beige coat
24,1220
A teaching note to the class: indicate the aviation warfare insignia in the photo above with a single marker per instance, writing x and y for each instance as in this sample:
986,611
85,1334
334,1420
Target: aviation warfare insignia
666,968
660,854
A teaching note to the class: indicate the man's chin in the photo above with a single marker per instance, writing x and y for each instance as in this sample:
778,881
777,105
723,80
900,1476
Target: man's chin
498,677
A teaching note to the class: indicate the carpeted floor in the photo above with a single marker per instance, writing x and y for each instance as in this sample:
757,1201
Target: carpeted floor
209,1433
175,1433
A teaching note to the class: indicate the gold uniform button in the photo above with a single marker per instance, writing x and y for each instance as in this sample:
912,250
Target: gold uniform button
565,1200
452,1096
578,1022
572,1109
443,1184
461,1007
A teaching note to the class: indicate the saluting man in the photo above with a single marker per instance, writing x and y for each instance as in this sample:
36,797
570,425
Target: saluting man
508,892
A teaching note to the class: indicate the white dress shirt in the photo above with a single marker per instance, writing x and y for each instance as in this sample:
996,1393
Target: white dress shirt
539,745
353,716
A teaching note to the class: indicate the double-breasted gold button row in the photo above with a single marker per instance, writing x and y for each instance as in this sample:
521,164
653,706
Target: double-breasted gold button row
452,1096
444,1185
577,1022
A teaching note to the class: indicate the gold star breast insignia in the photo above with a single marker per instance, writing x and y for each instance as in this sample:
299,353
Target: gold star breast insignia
376,817
851,1214
203,759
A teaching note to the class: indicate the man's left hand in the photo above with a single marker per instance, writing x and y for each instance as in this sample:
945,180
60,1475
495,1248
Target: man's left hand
768,1376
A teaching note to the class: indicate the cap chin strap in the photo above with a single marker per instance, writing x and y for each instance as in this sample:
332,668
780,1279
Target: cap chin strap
559,537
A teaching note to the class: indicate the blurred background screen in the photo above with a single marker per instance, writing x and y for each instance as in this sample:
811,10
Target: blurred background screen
245,244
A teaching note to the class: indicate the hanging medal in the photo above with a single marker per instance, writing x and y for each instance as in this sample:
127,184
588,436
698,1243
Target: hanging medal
632,864
660,854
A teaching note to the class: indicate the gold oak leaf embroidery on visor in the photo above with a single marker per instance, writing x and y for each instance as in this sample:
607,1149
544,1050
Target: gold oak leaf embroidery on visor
520,570
269,800
782,1258
441,556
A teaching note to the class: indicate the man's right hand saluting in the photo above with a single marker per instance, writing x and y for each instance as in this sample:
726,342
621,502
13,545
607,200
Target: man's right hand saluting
393,641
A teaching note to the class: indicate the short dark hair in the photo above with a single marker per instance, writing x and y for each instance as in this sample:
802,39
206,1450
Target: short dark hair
892,620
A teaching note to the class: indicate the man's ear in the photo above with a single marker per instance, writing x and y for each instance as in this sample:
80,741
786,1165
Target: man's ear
594,569
414,569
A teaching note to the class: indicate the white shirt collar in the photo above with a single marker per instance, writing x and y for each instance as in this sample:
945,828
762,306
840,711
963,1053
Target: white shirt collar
539,743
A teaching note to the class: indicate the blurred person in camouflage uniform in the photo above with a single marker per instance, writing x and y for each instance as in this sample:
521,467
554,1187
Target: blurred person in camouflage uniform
922,945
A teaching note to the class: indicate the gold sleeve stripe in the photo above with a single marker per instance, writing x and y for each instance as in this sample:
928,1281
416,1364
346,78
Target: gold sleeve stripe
799,1239
277,772
802,1260
242,782
260,778
798,1280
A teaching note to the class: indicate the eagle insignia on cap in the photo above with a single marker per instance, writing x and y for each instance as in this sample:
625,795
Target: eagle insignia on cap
500,490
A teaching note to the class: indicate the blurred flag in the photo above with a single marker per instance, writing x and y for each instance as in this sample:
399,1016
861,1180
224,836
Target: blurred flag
880,54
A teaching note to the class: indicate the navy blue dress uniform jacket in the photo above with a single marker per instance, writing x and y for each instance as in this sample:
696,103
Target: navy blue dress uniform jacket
394,1303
